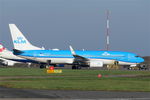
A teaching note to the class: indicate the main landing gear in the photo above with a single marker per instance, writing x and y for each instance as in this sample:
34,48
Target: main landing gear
76,67
45,65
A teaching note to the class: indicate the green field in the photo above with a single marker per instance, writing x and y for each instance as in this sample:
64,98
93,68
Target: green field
112,80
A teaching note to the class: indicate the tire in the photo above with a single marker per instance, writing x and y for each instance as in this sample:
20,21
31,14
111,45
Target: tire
78,67
42,66
73,67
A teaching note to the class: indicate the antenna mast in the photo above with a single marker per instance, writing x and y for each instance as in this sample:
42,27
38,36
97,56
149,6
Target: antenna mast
107,31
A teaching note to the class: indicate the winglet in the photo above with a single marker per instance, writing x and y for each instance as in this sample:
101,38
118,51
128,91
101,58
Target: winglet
72,51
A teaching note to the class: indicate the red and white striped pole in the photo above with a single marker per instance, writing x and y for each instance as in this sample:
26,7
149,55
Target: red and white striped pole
107,32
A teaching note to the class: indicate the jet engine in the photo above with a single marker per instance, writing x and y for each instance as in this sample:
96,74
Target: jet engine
95,64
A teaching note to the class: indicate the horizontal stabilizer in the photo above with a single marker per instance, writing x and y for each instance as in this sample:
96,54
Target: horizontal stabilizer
17,52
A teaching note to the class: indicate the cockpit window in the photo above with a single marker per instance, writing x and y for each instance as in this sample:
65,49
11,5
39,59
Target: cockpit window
137,56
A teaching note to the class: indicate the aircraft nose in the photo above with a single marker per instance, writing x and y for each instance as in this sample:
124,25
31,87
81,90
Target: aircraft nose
140,60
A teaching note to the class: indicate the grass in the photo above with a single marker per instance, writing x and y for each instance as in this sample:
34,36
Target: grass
75,79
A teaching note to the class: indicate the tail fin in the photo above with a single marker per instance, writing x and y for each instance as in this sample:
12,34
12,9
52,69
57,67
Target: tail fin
1,48
19,40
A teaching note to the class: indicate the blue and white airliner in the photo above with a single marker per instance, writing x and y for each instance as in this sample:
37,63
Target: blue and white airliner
23,48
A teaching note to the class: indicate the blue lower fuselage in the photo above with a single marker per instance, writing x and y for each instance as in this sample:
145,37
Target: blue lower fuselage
107,55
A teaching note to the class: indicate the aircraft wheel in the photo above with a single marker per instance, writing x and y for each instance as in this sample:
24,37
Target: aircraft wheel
42,66
116,63
73,67
78,67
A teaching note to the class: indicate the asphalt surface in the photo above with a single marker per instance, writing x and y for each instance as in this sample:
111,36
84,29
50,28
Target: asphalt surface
25,94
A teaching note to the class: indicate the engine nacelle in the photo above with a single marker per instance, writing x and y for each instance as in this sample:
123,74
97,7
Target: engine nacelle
95,64
133,65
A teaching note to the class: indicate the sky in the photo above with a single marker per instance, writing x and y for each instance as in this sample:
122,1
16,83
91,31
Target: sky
80,23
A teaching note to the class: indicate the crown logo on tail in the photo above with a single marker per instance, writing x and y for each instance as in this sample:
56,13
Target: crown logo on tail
1,48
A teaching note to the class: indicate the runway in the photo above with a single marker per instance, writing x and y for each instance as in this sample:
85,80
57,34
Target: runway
24,94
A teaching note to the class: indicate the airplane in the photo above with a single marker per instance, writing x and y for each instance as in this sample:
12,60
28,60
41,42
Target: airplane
9,59
6,62
76,58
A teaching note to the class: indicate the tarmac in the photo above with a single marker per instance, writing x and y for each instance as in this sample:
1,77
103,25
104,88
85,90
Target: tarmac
31,94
